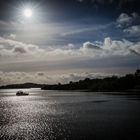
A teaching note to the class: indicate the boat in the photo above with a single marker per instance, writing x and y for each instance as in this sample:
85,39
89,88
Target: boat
22,93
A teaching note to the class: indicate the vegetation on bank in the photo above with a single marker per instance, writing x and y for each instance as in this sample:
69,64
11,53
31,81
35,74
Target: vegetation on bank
129,82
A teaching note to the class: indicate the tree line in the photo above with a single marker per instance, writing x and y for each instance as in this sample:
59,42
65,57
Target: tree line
129,82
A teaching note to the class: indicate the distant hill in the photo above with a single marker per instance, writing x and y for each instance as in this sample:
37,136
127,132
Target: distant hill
129,82
25,85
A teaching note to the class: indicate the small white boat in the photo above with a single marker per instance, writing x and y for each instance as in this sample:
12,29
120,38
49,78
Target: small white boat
22,93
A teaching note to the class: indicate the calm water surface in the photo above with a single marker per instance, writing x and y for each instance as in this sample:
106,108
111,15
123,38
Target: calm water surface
50,115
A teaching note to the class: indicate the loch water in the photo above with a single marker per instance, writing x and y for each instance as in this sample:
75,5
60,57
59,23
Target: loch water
68,115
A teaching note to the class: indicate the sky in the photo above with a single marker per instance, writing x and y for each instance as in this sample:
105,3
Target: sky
53,41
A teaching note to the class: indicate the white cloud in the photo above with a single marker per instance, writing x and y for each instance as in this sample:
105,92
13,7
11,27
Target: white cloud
135,48
107,42
108,48
120,47
12,36
11,47
133,30
128,23
44,78
126,20
18,56
29,59
89,45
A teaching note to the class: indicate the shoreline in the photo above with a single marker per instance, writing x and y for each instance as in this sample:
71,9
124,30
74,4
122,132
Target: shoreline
126,92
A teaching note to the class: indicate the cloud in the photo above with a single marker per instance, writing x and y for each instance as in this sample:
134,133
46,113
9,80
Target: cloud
21,62
89,49
125,19
89,45
86,29
129,24
12,36
133,30
120,47
44,78
19,49
22,57
11,47
107,42
135,48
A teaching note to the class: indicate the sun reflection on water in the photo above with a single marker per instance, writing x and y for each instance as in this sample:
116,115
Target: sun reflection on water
28,117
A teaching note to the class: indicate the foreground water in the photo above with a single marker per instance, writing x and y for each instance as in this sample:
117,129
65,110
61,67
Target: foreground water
50,115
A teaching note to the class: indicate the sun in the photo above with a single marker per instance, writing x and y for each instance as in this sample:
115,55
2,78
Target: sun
28,13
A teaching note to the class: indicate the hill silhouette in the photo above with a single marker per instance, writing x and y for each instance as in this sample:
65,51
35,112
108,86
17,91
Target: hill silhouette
25,85
129,82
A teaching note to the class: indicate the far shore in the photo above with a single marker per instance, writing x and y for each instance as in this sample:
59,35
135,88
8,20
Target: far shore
128,92
128,84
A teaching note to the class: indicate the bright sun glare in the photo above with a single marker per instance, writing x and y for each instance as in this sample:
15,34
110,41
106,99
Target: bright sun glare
28,13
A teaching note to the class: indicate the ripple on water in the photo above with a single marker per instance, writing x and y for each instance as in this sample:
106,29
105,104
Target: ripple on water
50,116
28,118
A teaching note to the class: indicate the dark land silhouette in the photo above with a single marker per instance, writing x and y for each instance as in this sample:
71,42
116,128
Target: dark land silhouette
22,86
129,82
